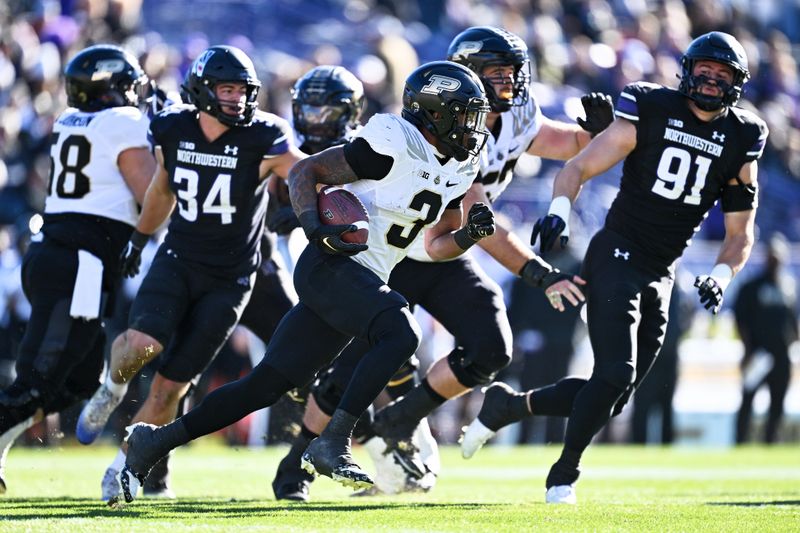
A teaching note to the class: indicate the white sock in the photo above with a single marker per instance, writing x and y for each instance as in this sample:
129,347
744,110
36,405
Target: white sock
117,389
119,461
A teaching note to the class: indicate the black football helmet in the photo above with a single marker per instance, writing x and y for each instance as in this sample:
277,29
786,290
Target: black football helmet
104,76
448,100
481,46
216,65
326,104
722,48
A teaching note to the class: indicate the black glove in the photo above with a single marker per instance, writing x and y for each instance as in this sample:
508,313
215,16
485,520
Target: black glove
538,273
281,218
548,229
599,110
480,224
710,293
131,257
329,238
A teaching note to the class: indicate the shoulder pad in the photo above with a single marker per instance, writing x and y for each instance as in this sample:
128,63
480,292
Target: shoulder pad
389,134
756,132
631,97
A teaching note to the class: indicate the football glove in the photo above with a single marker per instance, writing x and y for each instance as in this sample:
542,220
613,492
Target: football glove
710,293
599,110
480,224
537,273
131,257
548,229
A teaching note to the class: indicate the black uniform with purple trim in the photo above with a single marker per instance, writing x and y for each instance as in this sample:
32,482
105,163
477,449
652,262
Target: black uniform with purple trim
203,273
679,169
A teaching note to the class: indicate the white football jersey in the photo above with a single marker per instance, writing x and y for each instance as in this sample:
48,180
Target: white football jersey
411,197
518,127
84,175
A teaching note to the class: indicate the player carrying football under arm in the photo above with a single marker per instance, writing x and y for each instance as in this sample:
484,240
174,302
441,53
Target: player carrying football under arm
684,150
411,174
101,165
480,324
213,158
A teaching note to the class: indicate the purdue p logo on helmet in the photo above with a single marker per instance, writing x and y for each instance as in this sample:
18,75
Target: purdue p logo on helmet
448,100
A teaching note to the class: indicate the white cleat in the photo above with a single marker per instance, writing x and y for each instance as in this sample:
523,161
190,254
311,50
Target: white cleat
474,437
95,414
6,441
561,494
110,485
428,448
390,478
129,486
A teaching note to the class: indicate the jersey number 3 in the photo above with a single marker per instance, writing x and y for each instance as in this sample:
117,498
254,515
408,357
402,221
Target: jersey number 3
423,198
67,162
673,169
218,199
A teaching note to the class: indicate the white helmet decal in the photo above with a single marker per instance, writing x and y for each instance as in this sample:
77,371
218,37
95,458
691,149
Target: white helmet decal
439,83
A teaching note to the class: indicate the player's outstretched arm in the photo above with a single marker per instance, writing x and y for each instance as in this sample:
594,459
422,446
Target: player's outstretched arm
282,164
448,238
601,154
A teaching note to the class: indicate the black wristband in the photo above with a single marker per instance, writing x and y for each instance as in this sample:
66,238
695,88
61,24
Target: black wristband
463,240
139,239
309,220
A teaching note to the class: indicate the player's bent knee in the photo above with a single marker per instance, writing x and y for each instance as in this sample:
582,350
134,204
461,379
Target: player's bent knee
472,370
141,344
398,326
619,374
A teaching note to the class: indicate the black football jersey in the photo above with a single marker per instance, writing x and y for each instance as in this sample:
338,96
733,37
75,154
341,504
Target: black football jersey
678,169
221,201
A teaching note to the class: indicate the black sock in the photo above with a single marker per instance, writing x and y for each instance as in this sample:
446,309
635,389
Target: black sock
299,445
172,435
556,399
566,470
341,424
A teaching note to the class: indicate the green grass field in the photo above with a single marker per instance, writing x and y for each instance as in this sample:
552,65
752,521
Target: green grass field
501,489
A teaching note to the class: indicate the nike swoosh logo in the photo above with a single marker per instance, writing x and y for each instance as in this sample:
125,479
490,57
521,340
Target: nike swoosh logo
448,184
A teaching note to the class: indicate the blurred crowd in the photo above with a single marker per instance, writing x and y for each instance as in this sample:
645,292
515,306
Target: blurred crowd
578,46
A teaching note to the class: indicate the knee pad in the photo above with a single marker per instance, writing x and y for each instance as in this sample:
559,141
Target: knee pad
473,370
619,374
397,326
327,391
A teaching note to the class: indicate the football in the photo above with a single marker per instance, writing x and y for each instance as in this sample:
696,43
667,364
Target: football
340,206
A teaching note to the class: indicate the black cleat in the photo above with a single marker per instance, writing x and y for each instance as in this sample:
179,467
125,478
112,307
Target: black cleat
330,457
291,482
157,483
145,449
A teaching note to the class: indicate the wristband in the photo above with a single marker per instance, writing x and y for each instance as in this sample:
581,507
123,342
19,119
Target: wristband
722,274
560,206
139,239
462,238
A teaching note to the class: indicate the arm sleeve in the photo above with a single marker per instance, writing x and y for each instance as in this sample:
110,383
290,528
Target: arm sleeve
282,139
366,162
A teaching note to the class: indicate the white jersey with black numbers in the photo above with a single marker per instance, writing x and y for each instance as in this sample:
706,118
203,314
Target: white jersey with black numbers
84,175
518,127
411,197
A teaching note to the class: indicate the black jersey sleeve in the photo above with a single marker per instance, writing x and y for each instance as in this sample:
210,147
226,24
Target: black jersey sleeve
633,100
366,162
278,136
755,133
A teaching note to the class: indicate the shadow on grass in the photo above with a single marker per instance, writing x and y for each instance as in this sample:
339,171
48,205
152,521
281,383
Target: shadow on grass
755,504
38,508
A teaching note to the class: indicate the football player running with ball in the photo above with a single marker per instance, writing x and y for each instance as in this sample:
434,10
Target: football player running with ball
390,166
684,150
101,167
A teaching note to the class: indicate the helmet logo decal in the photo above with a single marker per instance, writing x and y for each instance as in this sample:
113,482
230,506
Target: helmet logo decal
439,83
104,68
466,48
200,62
